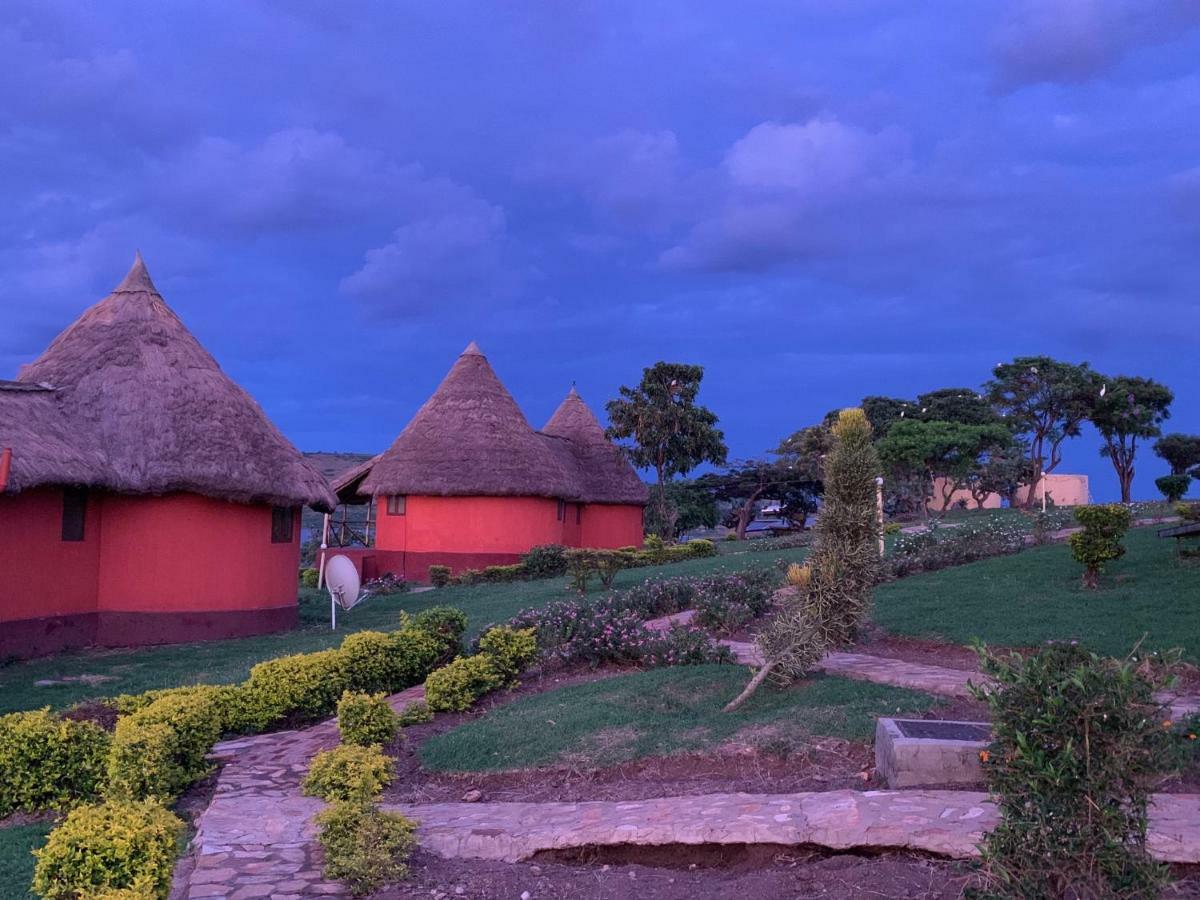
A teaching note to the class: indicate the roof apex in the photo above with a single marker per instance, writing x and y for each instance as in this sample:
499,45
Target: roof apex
137,279
472,350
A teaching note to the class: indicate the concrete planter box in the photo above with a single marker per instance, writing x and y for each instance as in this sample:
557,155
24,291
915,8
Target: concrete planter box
912,752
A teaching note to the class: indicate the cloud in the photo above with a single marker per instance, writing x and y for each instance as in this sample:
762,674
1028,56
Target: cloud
1072,41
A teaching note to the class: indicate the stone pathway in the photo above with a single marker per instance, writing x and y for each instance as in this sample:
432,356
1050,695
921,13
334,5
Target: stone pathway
948,823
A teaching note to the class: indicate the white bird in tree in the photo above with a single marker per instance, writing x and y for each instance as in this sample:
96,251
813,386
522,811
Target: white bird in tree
1103,389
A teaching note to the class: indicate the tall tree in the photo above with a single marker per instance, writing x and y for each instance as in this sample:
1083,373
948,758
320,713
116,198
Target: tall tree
747,483
1125,409
1002,472
665,428
1181,452
1045,401
949,452
882,412
955,405
689,505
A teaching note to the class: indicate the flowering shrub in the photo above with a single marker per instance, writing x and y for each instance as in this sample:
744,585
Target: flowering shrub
684,645
929,551
387,583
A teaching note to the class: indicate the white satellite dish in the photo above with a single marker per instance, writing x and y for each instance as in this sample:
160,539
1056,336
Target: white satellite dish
344,586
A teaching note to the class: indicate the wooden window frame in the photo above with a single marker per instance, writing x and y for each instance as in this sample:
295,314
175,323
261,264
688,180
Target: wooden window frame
397,504
74,515
283,524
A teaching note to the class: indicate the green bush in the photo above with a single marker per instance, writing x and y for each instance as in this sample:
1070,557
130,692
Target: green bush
447,624
439,576
1189,512
159,750
304,686
1100,541
365,847
48,762
545,561
1173,487
110,847
701,547
503,574
415,714
653,542
309,577
235,711
893,528
584,564
376,661
348,772
366,719
509,650
1077,741
456,686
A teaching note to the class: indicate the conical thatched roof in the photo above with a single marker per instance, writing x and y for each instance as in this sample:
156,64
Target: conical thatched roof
605,474
44,449
136,388
470,439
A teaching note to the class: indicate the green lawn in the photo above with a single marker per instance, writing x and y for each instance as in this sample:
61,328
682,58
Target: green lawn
1034,596
133,671
659,712
17,844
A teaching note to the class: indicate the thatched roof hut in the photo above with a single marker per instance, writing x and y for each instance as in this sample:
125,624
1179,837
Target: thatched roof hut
605,475
471,439
139,407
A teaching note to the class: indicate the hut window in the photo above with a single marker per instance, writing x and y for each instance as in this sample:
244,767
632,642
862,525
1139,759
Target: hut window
282,521
397,504
74,514
562,510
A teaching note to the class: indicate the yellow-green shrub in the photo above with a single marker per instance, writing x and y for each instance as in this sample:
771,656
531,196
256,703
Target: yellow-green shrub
365,847
304,685
348,772
415,714
510,650
109,847
48,762
309,577
447,624
366,719
159,750
456,686
234,709
389,662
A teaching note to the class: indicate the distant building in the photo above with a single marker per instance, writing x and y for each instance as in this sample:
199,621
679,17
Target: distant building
144,497
468,483
1061,490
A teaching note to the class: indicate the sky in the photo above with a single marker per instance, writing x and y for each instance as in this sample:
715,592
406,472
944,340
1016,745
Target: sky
815,200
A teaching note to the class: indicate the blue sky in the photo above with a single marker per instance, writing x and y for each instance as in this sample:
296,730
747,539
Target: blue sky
814,200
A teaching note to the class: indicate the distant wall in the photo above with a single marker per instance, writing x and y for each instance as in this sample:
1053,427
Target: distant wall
1062,490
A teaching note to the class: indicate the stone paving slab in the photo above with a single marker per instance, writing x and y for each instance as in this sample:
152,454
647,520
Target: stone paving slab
947,823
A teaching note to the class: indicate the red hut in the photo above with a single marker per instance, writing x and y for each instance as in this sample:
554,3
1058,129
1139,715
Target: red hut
469,483
145,497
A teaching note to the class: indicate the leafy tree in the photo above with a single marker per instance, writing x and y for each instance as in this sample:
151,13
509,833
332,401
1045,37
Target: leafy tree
689,505
832,601
1003,472
951,451
1173,487
882,412
746,483
667,430
956,405
1044,401
1181,452
1128,408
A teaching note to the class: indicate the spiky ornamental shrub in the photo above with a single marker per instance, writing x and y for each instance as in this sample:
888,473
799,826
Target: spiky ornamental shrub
1100,541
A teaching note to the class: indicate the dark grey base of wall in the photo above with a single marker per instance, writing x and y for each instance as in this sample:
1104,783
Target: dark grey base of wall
28,638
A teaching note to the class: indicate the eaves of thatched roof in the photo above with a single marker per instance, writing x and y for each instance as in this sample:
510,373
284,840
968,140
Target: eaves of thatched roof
142,408
604,473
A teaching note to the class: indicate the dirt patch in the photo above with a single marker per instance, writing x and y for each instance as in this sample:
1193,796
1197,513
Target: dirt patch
96,711
13,820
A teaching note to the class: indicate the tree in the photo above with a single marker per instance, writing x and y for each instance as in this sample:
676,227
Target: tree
746,483
1181,452
950,451
1045,401
830,609
1003,472
1125,409
956,405
667,430
689,505
882,412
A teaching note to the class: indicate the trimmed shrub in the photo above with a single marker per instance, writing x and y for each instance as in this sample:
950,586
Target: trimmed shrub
159,750
48,762
1100,541
1173,487
366,719
509,650
375,661
1077,743
348,772
302,686
365,847
113,846
439,576
309,577
584,564
447,624
701,547
545,561
235,711
415,714
456,686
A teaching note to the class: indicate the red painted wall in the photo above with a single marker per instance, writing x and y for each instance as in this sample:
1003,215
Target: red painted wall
183,552
611,526
40,574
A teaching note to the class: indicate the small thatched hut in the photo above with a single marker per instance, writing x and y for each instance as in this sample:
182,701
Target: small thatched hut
468,483
144,497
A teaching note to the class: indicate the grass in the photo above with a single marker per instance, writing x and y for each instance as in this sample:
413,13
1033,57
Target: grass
219,662
1035,596
17,844
659,712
